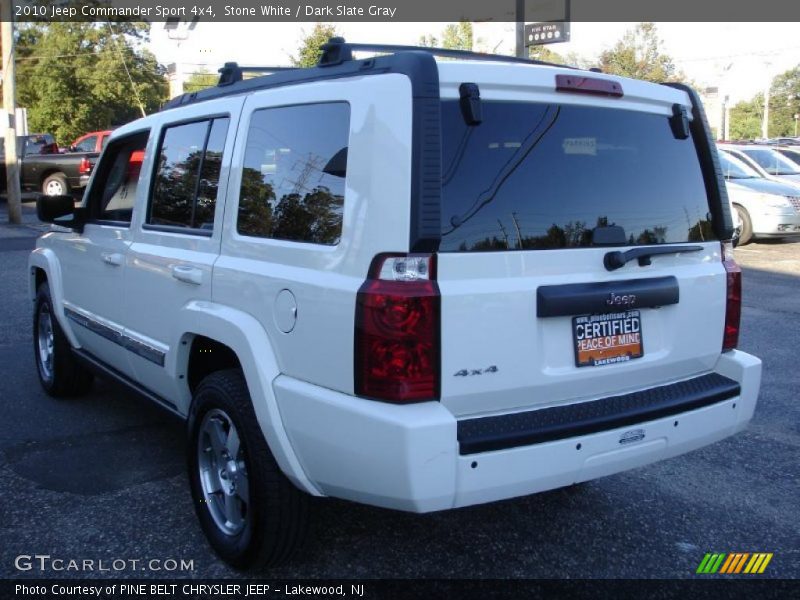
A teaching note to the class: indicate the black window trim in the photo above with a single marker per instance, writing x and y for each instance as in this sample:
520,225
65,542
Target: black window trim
247,237
114,222
192,231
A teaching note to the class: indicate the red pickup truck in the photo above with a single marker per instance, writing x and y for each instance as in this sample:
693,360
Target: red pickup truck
91,142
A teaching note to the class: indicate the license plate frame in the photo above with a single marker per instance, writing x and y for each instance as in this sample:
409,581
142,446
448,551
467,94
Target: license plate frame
619,335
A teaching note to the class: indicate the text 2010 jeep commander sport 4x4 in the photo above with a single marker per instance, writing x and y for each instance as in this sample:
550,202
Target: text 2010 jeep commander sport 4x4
414,284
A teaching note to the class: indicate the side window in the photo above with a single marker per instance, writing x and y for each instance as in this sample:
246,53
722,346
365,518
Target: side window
116,179
86,145
40,144
185,188
293,177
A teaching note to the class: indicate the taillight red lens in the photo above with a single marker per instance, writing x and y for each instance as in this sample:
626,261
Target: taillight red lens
85,166
733,303
397,331
588,85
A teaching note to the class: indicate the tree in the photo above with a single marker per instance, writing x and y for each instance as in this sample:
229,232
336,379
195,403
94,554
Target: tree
458,36
545,54
200,80
455,36
310,48
784,102
746,118
79,77
428,41
639,55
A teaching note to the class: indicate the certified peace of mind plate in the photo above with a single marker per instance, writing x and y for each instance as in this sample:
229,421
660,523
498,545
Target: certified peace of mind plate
607,339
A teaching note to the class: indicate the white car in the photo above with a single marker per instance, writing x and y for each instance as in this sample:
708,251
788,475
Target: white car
766,161
765,208
413,284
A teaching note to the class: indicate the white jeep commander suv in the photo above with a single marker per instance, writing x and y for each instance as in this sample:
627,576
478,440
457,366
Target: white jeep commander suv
414,284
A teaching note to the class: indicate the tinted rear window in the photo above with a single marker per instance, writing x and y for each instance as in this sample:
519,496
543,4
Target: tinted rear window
543,176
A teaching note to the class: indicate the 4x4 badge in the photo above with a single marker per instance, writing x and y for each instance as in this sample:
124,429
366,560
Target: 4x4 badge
470,372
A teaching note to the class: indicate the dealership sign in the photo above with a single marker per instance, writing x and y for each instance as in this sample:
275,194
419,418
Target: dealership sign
546,33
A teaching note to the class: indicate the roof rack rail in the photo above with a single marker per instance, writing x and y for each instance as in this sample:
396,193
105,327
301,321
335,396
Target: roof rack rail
337,62
336,51
231,72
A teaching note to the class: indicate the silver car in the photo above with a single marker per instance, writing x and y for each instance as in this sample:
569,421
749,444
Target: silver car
765,207
766,161
790,152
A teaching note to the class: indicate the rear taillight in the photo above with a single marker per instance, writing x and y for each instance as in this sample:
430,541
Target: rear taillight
397,330
85,167
733,303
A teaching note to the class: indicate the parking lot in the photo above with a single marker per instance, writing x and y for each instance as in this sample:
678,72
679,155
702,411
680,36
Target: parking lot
102,478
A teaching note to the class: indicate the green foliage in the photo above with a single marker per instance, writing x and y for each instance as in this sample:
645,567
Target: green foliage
428,41
309,51
546,54
458,36
746,119
72,78
639,55
455,36
200,80
784,103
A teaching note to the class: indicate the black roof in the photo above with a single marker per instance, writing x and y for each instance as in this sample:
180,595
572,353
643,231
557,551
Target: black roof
336,62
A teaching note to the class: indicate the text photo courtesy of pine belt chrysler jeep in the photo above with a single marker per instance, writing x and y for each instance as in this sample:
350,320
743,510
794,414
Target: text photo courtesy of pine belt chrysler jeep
413,284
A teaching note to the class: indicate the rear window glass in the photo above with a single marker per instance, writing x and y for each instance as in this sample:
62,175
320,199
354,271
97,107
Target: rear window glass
543,176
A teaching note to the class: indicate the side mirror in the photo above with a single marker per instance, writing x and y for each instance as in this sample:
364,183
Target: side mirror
52,209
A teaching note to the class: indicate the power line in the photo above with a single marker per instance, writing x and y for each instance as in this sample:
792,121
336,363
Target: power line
125,64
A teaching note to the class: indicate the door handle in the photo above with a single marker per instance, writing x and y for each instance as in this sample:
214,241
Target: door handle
187,274
112,258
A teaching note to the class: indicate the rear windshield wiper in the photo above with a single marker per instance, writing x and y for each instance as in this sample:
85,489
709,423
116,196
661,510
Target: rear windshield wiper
616,260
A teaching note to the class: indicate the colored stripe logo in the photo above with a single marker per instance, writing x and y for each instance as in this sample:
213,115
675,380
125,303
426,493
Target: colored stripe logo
733,563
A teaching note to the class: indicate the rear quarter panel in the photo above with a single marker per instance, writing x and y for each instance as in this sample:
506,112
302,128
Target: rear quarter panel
252,272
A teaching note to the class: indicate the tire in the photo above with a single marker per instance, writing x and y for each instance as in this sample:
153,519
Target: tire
55,185
268,518
746,234
59,372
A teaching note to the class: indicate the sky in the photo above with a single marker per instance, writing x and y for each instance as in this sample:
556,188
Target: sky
739,58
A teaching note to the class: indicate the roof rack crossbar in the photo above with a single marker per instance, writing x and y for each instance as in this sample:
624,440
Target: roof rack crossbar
337,50
231,72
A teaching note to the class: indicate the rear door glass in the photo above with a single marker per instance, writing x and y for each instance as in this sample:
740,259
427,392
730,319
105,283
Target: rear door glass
543,176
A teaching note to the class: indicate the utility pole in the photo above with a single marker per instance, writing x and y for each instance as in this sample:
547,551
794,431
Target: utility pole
765,122
516,226
505,234
520,28
10,106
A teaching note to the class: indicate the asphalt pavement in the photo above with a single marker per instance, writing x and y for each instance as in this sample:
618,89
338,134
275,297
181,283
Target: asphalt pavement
102,478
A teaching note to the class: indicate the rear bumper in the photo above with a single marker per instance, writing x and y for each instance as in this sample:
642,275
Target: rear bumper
408,457
779,224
